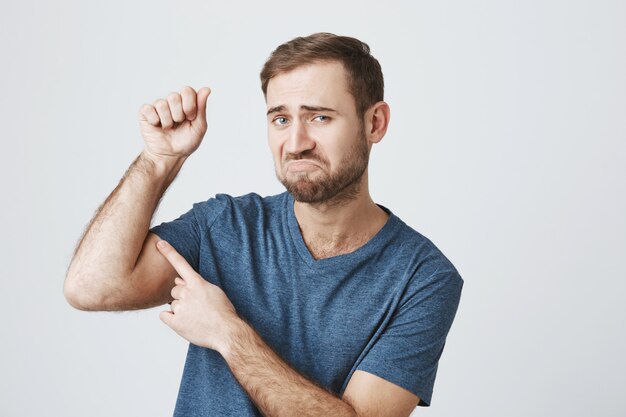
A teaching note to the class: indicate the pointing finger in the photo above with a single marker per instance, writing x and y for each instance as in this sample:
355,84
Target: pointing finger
179,263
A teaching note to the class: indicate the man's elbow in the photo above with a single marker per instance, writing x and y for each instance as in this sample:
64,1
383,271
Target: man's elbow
80,296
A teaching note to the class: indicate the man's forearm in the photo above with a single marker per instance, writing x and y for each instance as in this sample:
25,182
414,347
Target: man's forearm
276,388
111,243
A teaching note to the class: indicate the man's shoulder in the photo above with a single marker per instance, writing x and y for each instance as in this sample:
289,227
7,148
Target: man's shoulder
251,201
421,251
246,206
243,200
253,198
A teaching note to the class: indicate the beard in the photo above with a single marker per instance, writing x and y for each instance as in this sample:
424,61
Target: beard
330,188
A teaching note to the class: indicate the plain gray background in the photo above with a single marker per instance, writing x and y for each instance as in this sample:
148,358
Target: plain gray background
506,148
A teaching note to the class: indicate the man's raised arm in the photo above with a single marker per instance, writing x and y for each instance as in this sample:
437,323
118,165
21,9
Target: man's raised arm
115,264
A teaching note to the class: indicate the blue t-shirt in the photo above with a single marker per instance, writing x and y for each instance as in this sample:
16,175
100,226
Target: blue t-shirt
385,308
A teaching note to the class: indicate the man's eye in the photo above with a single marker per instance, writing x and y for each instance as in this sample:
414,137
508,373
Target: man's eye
280,121
321,118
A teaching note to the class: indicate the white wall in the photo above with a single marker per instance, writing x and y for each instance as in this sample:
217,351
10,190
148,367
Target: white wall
507,148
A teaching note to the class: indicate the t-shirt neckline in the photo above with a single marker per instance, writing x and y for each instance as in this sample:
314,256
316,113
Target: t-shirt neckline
372,246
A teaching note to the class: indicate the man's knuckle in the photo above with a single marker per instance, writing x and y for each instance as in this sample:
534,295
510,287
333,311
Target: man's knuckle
160,103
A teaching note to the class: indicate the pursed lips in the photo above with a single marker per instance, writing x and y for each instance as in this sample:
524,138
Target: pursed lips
300,165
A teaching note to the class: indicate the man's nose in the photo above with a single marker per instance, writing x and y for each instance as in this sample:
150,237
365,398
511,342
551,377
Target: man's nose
299,139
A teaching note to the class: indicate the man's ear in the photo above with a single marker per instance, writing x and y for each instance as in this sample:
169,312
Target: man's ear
377,121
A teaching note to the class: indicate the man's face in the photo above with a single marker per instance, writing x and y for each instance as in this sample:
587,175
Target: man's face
317,140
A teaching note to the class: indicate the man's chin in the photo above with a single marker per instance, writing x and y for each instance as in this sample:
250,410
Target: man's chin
304,191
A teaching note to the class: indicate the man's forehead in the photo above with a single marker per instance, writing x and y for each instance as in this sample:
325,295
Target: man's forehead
321,84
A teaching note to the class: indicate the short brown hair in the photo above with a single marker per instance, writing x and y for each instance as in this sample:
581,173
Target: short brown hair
365,77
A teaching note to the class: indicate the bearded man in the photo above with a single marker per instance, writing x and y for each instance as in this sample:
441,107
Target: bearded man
313,302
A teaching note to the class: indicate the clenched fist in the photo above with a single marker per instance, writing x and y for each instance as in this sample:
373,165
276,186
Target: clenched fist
174,127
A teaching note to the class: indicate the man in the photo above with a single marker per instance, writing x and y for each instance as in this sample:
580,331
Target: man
313,302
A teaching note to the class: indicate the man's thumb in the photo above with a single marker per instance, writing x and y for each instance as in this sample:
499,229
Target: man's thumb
166,317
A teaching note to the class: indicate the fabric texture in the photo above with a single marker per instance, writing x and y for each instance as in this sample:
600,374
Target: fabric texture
385,308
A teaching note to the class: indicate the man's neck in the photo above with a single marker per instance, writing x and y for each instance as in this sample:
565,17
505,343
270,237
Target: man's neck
330,229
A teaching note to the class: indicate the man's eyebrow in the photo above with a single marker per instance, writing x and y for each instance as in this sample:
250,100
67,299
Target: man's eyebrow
275,109
280,108
319,108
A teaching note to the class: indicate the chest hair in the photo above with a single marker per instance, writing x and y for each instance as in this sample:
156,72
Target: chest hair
326,248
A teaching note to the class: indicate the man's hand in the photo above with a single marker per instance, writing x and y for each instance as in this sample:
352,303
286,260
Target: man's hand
201,312
174,127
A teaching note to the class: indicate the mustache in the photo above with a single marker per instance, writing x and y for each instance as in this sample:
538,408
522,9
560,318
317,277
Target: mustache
306,155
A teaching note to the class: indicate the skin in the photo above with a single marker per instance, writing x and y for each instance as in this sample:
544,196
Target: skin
325,141
302,165
118,265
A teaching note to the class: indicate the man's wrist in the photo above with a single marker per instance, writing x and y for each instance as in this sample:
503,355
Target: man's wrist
161,165
238,334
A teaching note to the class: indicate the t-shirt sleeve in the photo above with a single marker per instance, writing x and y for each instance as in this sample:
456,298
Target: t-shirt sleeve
408,349
183,234
189,230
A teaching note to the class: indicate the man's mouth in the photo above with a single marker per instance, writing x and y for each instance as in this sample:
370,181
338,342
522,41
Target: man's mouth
301,165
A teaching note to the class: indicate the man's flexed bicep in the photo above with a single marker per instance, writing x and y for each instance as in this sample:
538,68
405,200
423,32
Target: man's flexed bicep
151,280
101,275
